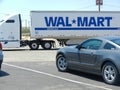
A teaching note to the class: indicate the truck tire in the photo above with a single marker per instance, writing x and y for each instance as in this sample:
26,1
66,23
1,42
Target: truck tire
46,45
34,45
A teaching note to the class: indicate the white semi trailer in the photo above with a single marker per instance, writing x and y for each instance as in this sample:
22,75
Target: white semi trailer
60,25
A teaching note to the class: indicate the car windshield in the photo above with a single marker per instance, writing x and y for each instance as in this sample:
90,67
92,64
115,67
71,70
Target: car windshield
116,41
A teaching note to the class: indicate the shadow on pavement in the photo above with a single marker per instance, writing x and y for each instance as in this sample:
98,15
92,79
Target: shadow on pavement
90,76
3,74
87,75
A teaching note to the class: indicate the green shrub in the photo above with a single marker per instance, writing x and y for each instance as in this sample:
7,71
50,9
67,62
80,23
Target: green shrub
25,31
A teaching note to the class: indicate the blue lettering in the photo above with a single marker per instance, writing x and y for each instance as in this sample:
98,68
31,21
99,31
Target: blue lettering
108,20
100,21
67,22
60,21
51,21
82,21
57,21
92,22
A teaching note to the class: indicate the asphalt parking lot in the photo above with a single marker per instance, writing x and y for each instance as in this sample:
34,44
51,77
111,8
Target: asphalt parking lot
24,69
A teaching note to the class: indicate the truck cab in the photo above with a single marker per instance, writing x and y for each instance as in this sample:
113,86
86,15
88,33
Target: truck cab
10,31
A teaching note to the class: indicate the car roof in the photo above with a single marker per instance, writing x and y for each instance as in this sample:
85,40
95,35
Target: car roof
108,37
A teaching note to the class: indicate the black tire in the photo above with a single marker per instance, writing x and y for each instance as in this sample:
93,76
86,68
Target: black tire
110,73
46,45
61,63
34,45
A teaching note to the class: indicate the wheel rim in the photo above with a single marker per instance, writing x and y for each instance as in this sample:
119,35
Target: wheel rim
34,45
109,73
62,64
47,45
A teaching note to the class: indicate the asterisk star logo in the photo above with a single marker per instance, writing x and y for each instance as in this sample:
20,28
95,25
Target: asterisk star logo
73,21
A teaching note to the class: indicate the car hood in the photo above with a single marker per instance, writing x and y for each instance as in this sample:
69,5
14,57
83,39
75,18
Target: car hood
68,48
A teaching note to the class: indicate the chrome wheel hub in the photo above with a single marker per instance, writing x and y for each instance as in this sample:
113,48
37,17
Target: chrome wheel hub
47,45
34,45
109,73
62,63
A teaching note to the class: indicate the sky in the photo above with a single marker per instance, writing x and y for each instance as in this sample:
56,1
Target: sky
25,6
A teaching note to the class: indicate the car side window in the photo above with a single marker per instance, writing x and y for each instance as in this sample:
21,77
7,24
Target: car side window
109,46
93,44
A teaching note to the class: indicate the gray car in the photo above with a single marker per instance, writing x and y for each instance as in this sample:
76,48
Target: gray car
100,55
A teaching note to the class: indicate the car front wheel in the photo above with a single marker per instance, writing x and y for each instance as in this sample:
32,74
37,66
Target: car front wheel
110,73
61,63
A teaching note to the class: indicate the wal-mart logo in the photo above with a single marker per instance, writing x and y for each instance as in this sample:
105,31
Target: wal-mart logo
80,23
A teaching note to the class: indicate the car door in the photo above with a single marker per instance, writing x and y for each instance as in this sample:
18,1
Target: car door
88,52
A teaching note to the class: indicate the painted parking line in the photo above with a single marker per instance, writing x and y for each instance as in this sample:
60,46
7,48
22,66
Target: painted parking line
55,76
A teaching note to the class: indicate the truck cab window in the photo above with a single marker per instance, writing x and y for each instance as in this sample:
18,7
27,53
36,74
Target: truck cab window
10,21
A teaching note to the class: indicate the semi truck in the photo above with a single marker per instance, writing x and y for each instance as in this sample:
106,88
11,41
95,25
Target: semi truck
67,27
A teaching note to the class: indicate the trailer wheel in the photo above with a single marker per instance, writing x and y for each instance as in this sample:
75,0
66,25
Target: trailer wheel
34,45
46,45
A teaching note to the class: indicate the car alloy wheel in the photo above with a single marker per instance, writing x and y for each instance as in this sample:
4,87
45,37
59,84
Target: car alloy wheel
110,73
61,63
